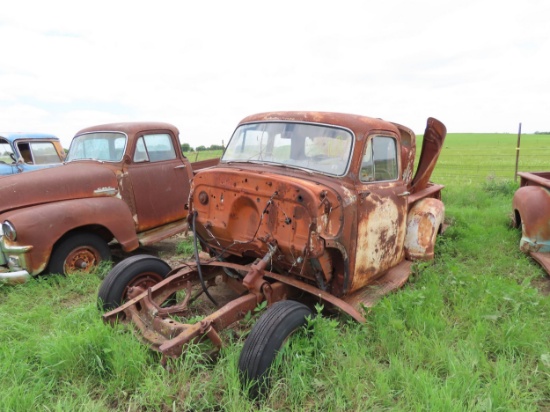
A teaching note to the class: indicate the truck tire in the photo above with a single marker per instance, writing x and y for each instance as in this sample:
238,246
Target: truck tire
141,271
265,340
78,252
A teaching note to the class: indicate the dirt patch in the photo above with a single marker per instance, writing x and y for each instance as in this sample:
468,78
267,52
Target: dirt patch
543,285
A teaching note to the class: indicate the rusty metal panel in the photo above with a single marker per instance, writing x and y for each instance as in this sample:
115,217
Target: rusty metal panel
424,221
532,204
69,181
434,136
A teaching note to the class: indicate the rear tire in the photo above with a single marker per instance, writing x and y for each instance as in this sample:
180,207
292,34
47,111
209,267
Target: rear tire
265,340
79,252
139,271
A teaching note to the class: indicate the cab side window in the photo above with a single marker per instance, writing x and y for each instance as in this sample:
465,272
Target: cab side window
154,148
6,154
380,160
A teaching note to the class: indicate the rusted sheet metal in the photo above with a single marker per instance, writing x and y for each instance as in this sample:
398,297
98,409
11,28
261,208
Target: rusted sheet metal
434,136
340,233
36,244
424,222
65,182
535,179
531,205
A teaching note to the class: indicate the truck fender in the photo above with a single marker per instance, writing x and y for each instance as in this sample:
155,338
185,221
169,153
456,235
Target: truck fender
424,222
41,226
532,214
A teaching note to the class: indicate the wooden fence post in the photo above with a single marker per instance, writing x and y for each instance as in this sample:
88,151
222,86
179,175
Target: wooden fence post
517,153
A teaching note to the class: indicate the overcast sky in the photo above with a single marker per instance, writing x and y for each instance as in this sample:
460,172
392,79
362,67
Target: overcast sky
477,65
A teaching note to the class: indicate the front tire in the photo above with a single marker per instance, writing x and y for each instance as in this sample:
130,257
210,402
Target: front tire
266,339
79,252
139,271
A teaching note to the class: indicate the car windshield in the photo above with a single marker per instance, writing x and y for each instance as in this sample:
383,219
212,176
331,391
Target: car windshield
314,147
103,146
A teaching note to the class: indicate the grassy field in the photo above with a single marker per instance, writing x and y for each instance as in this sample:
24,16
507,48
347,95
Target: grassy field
469,332
202,155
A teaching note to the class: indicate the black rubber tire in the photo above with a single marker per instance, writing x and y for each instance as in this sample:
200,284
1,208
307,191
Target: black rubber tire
91,247
138,270
265,340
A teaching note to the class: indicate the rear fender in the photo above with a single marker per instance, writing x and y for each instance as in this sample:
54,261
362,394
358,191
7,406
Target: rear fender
40,227
424,221
531,205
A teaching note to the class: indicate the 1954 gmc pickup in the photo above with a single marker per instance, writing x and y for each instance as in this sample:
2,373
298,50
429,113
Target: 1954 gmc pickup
125,182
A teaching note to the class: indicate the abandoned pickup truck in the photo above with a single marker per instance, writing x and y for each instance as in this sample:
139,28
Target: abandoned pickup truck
126,182
531,206
304,208
24,152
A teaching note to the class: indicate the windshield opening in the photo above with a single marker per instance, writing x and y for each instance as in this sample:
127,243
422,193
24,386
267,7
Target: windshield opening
103,146
319,148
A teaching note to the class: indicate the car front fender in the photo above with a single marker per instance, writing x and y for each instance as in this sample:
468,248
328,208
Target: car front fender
424,221
531,205
40,227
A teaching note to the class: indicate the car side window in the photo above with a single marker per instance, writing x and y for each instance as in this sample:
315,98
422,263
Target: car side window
380,160
5,152
154,148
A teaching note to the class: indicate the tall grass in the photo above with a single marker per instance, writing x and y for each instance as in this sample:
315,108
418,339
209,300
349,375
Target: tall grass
468,332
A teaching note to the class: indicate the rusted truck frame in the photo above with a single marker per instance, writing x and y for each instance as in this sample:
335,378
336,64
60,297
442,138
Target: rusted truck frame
338,222
125,182
531,214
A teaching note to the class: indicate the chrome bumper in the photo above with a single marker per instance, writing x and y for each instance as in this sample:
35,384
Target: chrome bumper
13,278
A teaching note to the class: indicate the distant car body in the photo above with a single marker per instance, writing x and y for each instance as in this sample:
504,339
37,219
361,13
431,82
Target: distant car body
24,152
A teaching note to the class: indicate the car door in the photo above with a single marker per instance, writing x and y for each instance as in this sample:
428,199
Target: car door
160,180
382,210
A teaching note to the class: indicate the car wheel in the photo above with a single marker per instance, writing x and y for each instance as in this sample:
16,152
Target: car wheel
137,273
265,340
78,252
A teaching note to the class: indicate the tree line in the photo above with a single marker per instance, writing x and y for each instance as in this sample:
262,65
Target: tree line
186,147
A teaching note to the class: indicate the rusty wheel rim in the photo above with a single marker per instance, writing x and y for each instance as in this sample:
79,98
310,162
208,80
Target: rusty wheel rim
140,284
82,259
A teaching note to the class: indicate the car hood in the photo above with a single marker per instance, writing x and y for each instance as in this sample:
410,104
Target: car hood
70,181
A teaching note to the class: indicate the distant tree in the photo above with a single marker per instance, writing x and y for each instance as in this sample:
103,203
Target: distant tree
542,132
216,147
186,147
201,148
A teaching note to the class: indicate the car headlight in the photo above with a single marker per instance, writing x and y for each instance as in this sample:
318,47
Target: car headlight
9,231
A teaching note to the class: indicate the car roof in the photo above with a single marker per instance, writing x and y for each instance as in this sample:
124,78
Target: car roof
129,128
12,136
359,125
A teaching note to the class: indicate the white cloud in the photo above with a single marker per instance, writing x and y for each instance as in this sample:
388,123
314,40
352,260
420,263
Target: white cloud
479,66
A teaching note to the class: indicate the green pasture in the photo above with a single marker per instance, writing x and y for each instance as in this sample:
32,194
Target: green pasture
202,155
476,157
468,332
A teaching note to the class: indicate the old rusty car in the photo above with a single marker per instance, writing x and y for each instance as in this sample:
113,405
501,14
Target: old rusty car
24,152
532,216
304,208
126,183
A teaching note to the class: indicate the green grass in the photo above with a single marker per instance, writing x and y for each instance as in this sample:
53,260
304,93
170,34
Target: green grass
471,157
203,155
468,332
